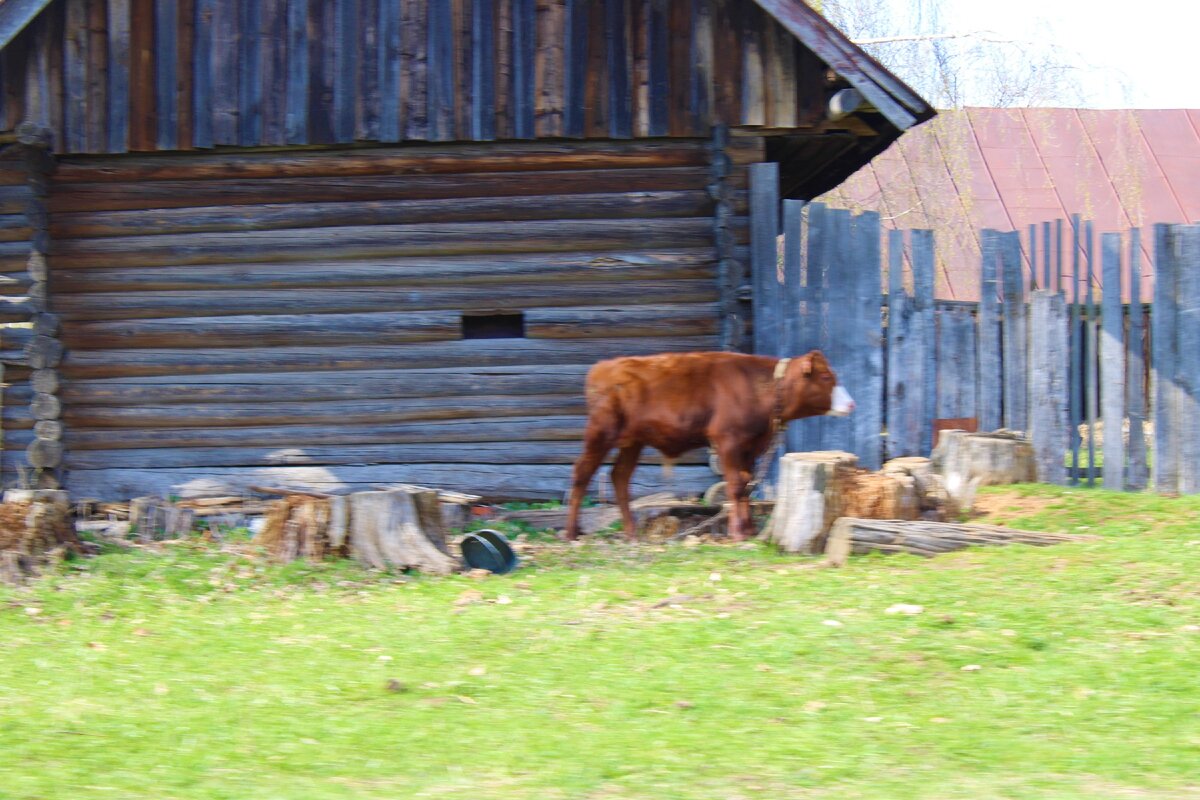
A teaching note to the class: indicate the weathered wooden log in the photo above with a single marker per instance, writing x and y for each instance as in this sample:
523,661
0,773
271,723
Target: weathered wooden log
808,498
153,519
481,352
400,529
451,238
969,460
641,265
17,285
45,381
288,216
44,352
353,412
99,197
851,536
45,406
16,339
14,198
298,526
933,499
493,482
35,527
44,454
425,160
292,330
202,303
310,386
50,429
512,452
483,429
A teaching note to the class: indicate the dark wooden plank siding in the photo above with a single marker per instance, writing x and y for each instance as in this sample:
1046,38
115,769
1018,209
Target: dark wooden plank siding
120,75
191,346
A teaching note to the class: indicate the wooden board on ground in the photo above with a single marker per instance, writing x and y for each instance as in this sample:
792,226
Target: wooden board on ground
853,536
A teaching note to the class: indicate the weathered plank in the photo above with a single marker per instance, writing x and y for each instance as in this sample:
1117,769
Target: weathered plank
250,73
764,227
1014,332
524,35
414,74
202,71
1075,406
544,428
674,264
315,386
1135,360
166,68
1187,427
182,194
1165,358
991,377
383,241
503,481
925,332
349,412
658,38
297,330
227,51
278,216
477,352
483,72
1091,366
620,101
868,389
1112,362
957,350
75,68
510,452
1049,384
903,418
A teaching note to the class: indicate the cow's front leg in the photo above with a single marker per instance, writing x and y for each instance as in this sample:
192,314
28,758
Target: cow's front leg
596,444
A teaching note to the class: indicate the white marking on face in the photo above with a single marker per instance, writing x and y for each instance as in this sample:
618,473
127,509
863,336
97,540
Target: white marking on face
842,403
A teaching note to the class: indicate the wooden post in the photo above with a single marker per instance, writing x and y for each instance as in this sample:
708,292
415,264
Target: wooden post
1091,378
795,339
956,369
865,382
991,380
924,334
1075,408
730,271
1112,363
1015,334
903,420
1164,359
1187,429
764,230
1048,384
1135,361
839,321
809,434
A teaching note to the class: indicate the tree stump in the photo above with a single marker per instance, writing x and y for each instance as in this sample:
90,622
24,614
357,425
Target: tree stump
35,527
858,536
400,528
967,461
300,526
933,501
808,498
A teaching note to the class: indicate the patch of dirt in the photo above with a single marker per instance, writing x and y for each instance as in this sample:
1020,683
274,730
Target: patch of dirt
1008,503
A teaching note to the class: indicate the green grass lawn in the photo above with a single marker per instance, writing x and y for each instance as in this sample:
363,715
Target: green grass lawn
607,671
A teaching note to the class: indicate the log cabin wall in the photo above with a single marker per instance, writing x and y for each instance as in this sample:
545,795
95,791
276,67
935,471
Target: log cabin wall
113,76
303,317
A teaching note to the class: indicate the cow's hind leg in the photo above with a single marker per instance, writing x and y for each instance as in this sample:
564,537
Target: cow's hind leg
596,444
738,474
622,472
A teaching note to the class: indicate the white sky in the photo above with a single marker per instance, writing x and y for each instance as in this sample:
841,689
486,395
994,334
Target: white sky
1130,55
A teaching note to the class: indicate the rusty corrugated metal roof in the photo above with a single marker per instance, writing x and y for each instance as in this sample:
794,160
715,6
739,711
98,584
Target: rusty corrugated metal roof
1008,168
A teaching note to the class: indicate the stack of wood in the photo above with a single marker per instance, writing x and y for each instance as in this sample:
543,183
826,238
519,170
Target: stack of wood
857,536
397,528
816,488
156,519
35,528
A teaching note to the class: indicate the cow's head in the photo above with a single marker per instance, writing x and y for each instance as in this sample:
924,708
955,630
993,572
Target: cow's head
813,389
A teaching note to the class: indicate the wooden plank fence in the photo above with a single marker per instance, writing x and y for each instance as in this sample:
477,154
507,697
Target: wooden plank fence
1060,345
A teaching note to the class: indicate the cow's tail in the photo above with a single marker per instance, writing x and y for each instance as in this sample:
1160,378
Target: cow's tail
668,467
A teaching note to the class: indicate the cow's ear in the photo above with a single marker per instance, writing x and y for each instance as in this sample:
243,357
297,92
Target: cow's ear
806,365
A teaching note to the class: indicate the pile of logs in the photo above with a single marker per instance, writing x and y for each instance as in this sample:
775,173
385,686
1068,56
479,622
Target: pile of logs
399,528
35,528
851,536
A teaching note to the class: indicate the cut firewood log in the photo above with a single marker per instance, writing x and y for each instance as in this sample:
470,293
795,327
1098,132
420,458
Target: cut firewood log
967,461
402,529
851,535
35,528
808,498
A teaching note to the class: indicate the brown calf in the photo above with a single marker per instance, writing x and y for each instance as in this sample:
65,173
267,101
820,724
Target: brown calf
678,402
